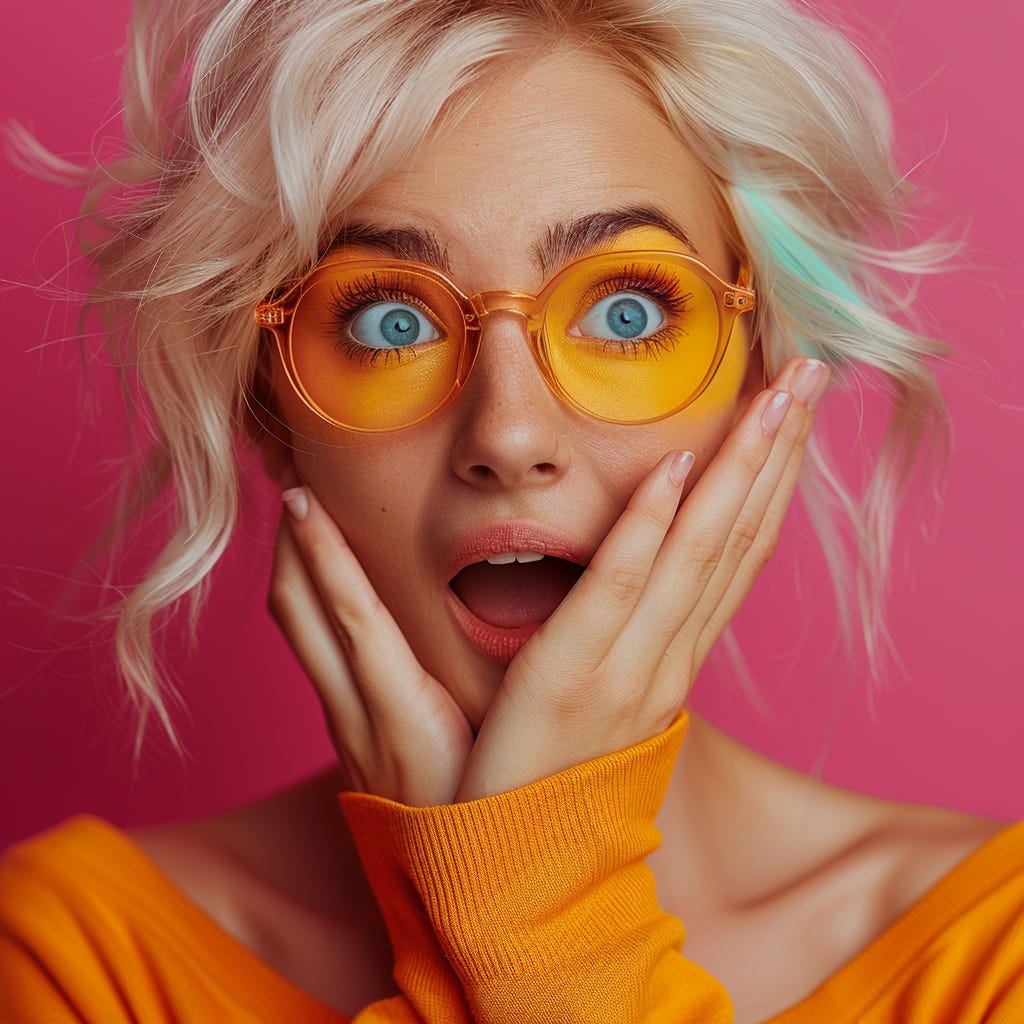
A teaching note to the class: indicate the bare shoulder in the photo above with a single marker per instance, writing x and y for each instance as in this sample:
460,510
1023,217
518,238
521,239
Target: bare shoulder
833,869
282,876
261,843
887,856
923,844
893,851
813,837
776,950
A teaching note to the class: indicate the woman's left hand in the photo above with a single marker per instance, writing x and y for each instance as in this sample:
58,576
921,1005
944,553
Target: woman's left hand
615,662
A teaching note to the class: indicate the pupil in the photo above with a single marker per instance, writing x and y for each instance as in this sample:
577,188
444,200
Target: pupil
399,327
626,317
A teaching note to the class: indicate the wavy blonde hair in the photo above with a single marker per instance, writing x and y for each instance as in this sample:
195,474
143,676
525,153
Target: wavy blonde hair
251,126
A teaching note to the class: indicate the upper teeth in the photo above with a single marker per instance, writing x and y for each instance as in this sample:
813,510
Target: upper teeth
515,556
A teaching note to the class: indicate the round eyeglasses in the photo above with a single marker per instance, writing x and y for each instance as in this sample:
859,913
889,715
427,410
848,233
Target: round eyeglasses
626,337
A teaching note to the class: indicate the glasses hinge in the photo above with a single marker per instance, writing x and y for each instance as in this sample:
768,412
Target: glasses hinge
735,300
269,316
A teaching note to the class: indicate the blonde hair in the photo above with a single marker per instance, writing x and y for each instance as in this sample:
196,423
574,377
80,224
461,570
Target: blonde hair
253,125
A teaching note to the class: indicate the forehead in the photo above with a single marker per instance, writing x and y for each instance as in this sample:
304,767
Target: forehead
548,141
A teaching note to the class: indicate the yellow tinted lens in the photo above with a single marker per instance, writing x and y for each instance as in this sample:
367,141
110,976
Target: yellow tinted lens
375,348
632,338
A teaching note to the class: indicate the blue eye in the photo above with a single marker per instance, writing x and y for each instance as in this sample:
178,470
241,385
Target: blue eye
622,316
391,325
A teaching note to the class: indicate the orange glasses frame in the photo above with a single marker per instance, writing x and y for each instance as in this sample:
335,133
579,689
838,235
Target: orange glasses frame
276,315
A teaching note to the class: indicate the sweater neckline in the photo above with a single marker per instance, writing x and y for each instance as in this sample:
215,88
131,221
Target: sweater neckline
855,983
266,990
868,972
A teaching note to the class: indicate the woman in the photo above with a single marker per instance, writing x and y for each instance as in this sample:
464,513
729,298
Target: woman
554,255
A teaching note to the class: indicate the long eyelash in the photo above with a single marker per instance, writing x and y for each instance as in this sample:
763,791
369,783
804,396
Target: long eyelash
367,355
650,347
348,299
659,284
364,291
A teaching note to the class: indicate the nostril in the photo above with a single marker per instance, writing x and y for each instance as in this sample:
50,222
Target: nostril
482,472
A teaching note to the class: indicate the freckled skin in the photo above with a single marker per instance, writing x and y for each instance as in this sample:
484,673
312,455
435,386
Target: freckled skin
566,137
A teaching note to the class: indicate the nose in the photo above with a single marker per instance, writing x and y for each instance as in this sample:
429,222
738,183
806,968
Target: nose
511,430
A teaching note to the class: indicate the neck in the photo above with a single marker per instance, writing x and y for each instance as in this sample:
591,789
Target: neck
738,828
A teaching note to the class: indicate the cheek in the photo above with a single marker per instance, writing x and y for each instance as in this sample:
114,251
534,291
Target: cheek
627,454
703,426
371,491
729,384
376,487
378,502
711,418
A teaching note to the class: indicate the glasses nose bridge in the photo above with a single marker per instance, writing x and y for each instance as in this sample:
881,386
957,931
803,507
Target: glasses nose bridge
523,305
503,300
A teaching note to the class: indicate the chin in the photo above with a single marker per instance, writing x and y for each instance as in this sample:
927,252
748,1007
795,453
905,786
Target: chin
473,683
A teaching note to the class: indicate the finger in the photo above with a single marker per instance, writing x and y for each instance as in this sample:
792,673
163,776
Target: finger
718,526
380,660
296,605
397,730
759,553
755,532
705,533
761,520
589,620
692,643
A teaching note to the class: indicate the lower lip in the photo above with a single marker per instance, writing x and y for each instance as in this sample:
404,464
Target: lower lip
495,642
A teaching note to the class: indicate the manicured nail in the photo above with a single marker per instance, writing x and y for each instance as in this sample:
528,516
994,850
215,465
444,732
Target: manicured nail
809,382
296,502
679,468
775,411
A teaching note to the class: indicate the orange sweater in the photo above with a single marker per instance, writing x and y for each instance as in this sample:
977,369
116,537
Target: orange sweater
534,905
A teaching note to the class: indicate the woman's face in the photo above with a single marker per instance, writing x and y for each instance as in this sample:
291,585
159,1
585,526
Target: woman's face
507,466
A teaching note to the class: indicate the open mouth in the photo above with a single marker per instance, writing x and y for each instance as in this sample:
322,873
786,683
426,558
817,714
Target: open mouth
515,589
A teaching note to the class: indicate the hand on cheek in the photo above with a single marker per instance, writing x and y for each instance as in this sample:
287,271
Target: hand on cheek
615,663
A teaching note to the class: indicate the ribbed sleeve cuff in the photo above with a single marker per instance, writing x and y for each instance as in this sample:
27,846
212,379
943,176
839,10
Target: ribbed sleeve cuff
547,877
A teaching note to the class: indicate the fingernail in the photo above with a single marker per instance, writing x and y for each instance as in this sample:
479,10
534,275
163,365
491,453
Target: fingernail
809,382
296,502
679,468
775,411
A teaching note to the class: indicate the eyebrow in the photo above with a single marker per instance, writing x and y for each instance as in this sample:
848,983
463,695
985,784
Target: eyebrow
583,235
559,244
415,244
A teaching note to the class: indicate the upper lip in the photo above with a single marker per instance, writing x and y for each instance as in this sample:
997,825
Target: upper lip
515,535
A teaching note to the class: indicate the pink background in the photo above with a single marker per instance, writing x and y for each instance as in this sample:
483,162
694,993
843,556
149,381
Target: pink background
946,731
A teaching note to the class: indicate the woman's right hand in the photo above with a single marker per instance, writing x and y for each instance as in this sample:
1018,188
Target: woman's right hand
397,731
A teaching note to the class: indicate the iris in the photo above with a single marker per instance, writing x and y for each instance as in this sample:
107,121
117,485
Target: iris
627,317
